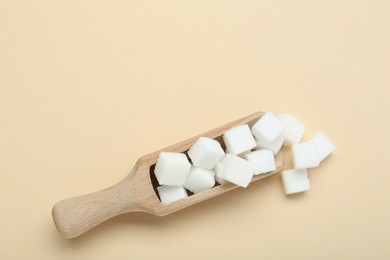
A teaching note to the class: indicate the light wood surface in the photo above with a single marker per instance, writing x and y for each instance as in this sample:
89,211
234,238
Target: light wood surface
136,192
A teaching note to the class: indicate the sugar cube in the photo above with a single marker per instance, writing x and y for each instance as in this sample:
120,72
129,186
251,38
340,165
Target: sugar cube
305,155
294,129
239,140
324,145
199,179
263,160
206,153
172,168
295,181
169,194
219,168
220,180
274,146
235,170
268,128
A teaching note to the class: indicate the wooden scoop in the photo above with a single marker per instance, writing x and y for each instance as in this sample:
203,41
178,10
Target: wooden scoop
137,191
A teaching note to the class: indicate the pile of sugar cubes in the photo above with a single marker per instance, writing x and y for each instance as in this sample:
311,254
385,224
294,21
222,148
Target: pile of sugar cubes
249,152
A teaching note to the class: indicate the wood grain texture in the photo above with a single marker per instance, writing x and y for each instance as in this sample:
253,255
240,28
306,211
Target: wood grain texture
135,193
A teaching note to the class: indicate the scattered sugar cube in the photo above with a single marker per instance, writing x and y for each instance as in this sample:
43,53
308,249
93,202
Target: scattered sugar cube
206,153
235,170
294,129
239,139
295,181
274,146
268,128
169,194
172,168
199,179
305,155
263,160
324,145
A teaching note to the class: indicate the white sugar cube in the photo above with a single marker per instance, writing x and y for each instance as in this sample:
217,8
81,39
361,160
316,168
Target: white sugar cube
305,155
239,139
220,168
235,170
170,194
220,180
324,145
172,168
295,181
206,153
262,160
274,146
199,179
294,129
268,128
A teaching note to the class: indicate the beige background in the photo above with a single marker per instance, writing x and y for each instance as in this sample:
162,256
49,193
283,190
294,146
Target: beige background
87,87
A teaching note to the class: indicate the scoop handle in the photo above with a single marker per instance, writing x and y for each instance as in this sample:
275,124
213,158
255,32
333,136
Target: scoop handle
76,215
